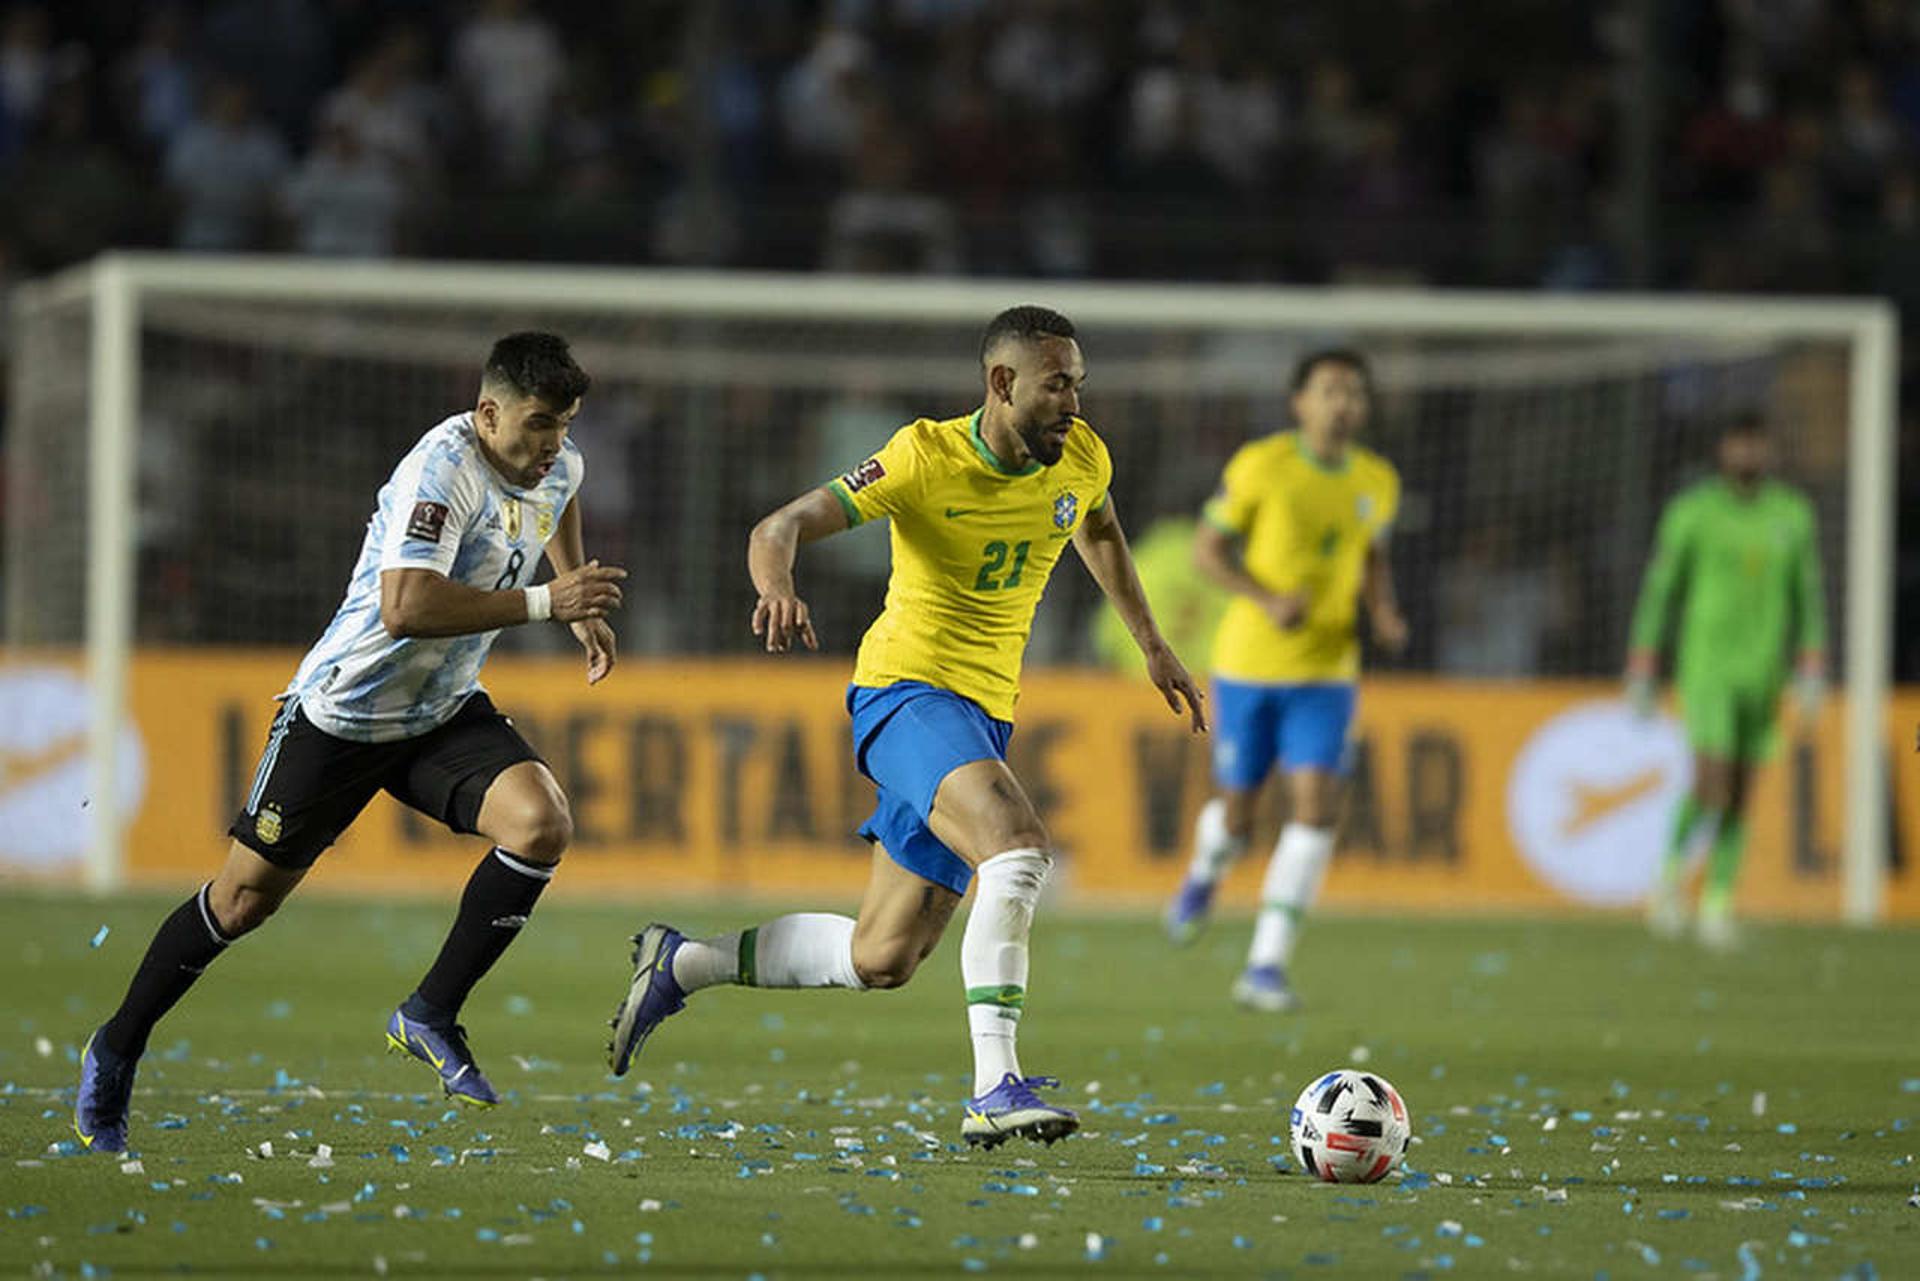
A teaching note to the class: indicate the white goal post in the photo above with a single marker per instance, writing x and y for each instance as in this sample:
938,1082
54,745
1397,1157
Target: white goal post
115,290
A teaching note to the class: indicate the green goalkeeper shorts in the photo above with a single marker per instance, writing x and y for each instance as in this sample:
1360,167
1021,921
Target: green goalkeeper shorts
1728,721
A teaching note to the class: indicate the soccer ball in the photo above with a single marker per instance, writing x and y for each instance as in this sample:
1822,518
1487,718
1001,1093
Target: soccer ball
1350,1127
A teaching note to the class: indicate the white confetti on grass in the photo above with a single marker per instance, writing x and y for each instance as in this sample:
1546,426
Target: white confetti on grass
598,1150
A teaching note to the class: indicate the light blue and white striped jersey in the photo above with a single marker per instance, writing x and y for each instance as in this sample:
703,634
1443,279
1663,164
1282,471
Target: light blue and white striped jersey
444,509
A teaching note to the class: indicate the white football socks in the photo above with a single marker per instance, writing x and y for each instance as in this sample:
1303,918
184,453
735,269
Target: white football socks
993,958
1293,878
806,949
1214,848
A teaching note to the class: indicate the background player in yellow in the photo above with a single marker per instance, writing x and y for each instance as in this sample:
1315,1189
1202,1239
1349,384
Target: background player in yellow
982,506
1298,533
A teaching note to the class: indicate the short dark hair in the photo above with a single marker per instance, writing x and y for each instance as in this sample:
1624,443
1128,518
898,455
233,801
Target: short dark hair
537,364
1024,324
1748,422
1303,372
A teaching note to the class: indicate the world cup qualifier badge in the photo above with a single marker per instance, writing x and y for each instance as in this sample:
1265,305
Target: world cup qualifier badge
863,475
1065,508
266,825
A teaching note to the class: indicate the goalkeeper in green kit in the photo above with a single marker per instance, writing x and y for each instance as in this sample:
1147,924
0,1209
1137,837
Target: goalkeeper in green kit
1736,573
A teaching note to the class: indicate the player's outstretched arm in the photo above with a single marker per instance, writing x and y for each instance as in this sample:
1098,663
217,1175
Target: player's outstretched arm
1102,545
1216,554
780,616
426,603
1383,604
567,550
1664,581
1809,627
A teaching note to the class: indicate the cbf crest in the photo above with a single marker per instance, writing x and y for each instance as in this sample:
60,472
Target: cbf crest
1065,508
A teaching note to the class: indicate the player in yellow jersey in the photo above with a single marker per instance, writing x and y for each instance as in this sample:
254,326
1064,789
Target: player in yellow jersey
982,507
1298,532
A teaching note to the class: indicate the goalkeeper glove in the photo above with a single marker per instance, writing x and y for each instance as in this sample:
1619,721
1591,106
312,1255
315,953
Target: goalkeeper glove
1641,693
1810,691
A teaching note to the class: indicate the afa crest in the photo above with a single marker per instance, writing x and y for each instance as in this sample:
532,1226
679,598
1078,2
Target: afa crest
266,825
1065,509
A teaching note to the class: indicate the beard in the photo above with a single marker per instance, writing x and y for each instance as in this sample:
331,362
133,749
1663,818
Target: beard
1044,448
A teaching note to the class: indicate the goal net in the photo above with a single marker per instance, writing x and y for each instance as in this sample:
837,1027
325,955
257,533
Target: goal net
194,446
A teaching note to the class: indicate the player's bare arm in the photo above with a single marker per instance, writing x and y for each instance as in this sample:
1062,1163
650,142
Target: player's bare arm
1102,545
1216,553
568,551
423,602
780,616
1383,604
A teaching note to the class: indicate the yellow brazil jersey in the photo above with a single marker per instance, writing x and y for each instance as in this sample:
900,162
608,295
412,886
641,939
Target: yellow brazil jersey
1304,527
973,545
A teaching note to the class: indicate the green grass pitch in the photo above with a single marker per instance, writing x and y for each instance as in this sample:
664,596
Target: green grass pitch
1585,1102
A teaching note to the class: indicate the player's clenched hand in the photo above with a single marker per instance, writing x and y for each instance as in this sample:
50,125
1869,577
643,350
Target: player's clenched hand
597,639
586,591
782,618
1287,610
1390,629
1166,671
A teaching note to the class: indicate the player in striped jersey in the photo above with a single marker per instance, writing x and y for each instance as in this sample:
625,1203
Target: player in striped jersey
390,698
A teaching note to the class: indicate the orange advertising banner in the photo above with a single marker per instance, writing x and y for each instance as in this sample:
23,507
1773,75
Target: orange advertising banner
735,776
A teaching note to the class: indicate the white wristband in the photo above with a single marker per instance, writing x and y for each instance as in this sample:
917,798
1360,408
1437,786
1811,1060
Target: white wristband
539,604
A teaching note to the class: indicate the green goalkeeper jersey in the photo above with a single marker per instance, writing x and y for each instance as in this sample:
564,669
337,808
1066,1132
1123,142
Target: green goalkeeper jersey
1743,576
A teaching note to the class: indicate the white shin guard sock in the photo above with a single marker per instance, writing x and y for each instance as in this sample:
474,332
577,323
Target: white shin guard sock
1214,848
1293,879
993,958
806,949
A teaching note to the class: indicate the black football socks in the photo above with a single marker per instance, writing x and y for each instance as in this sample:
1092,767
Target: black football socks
184,945
498,899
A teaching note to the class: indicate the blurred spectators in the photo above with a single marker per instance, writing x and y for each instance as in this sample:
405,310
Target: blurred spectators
509,65
224,171
345,199
1476,143
1218,141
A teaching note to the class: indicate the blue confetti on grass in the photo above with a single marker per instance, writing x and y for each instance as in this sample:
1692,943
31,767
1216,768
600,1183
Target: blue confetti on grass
100,936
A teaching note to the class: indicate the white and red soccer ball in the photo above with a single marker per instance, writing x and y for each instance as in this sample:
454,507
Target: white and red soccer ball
1350,1127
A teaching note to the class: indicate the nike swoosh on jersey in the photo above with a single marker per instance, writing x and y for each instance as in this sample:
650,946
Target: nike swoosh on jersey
955,512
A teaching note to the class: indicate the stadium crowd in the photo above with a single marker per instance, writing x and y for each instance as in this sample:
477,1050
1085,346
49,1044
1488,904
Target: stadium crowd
1388,140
